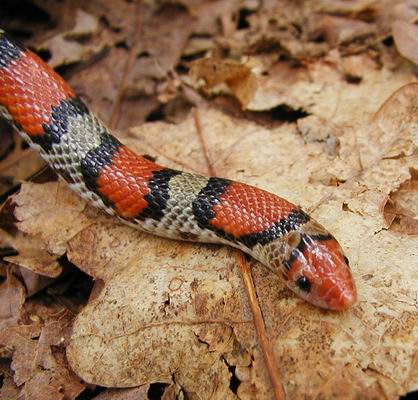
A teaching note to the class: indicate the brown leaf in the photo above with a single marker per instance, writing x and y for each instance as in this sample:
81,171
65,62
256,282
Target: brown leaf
36,222
39,242
315,130
8,389
239,78
137,393
340,30
119,13
18,163
20,338
32,255
162,42
405,35
34,281
397,119
401,209
108,69
64,47
12,298
43,372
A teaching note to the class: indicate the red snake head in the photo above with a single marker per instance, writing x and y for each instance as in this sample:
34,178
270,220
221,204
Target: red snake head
318,271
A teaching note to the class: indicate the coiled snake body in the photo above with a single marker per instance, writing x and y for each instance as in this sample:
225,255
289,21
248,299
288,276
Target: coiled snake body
166,202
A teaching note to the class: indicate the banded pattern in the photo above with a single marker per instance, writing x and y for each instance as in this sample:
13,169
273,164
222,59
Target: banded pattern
162,201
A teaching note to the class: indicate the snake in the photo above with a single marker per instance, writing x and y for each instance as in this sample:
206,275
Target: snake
169,203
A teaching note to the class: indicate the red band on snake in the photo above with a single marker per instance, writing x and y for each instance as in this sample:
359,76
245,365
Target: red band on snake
165,202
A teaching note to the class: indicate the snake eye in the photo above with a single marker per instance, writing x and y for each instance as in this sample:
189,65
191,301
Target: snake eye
304,284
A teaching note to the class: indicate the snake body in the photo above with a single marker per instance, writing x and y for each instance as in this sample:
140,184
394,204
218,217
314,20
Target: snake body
163,201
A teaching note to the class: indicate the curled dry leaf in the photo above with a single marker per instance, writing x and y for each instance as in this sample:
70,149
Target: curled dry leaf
401,209
34,282
397,120
239,78
405,35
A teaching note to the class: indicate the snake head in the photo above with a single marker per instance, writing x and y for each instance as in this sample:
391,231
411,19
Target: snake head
313,265
318,271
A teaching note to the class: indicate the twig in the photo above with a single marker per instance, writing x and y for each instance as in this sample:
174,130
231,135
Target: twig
128,67
203,143
260,328
158,151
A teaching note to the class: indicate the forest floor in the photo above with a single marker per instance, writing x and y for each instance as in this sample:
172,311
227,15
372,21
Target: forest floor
315,101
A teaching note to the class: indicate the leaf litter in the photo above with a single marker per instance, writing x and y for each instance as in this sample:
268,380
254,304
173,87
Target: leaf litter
173,317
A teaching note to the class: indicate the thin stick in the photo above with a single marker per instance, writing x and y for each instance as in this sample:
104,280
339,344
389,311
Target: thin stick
260,328
128,67
203,143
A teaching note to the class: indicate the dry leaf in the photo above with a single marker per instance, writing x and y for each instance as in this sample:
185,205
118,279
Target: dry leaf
405,35
8,389
41,371
37,221
32,254
119,13
12,298
401,210
64,47
239,78
398,122
340,30
138,393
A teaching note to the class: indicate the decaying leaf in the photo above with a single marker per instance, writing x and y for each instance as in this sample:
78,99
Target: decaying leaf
12,296
240,79
64,47
52,234
38,241
8,389
138,393
401,209
32,254
397,120
340,30
40,370
405,35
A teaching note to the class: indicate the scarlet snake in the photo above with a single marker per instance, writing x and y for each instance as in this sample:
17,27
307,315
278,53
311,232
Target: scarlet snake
166,202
